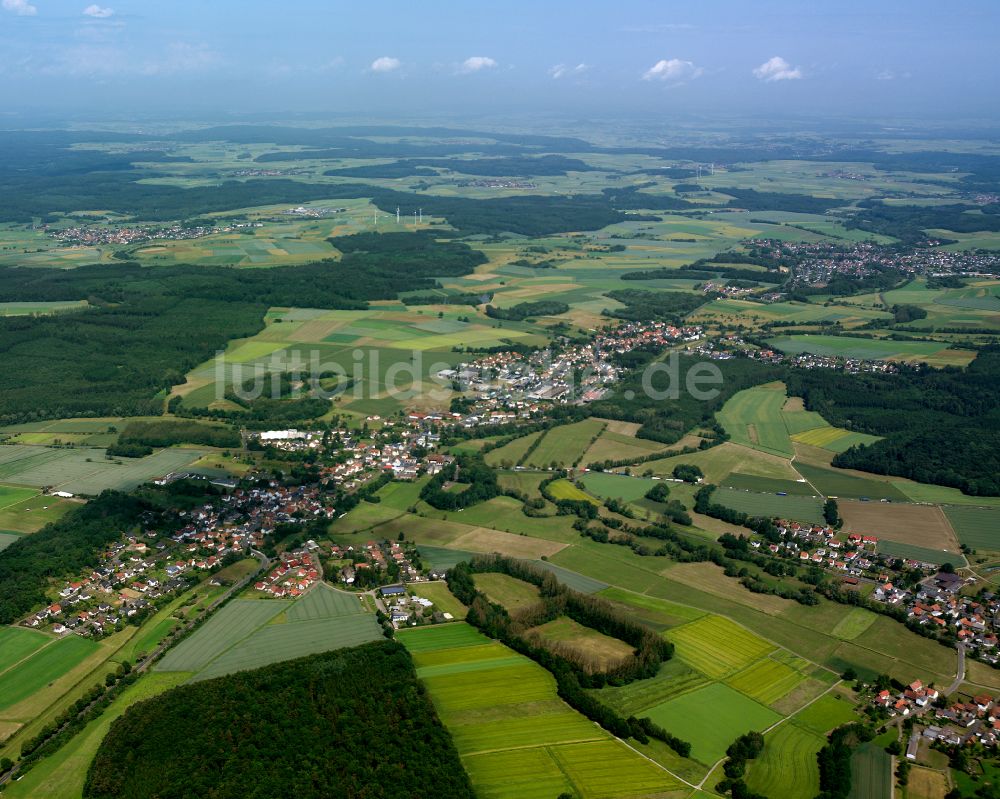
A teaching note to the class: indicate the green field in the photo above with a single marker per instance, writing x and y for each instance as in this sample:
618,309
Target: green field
871,349
514,451
834,439
43,667
767,485
13,495
825,714
753,418
515,736
86,470
617,486
231,624
564,445
716,646
276,642
787,767
250,633
564,489
6,539
797,507
978,528
16,643
871,773
767,681
834,483
674,678
508,591
903,550
710,718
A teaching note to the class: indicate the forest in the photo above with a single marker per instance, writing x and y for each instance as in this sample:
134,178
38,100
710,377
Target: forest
525,310
648,306
354,723
548,165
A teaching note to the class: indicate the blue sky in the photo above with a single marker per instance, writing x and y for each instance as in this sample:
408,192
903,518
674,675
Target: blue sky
910,58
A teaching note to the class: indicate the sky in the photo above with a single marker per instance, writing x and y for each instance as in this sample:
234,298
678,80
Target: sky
906,58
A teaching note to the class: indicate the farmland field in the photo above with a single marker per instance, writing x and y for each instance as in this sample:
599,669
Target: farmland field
719,462
835,439
767,681
716,646
33,514
872,349
753,418
508,591
276,642
787,767
250,633
674,678
871,773
825,714
602,652
917,525
619,486
43,667
564,489
16,643
6,539
978,528
515,736
834,483
231,624
710,718
86,470
768,485
513,451
799,508
565,444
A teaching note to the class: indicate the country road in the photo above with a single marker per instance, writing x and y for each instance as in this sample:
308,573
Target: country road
960,676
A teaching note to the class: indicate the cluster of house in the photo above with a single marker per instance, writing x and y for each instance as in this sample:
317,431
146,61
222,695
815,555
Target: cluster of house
93,235
817,262
515,383
136,571
806,360
819,545
397,445
958,723
375,557
407,610
295,572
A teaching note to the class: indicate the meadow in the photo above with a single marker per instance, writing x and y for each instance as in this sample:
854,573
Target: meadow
601,652
871,773
508,591
44,666
515,736
564,445
716,646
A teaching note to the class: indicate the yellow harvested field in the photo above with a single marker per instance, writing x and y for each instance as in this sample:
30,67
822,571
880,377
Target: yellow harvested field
920,525
709,578
516,546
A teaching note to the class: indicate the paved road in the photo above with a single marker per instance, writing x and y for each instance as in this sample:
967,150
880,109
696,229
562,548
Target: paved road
960,677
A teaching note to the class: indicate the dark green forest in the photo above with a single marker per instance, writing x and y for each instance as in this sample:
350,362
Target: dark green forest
355,724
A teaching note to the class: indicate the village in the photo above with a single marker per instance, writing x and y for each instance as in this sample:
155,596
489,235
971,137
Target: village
510,385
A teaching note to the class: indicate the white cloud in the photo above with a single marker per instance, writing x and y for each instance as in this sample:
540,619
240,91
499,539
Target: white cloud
777,68
477,63
386,64
565,71
672,70
888,74
20,7
97,12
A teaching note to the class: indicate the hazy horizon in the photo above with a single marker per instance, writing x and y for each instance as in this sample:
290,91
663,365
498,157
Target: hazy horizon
773,58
